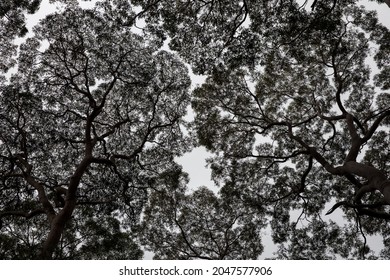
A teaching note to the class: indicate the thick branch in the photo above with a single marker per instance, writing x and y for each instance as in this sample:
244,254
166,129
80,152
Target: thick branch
376,179
356,141
363,209
27,215
57,225
316,155
47,206
376,124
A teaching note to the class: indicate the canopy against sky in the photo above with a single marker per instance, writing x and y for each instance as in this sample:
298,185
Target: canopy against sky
194,162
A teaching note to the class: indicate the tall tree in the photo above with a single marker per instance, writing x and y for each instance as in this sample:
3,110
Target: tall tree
88,123
293,112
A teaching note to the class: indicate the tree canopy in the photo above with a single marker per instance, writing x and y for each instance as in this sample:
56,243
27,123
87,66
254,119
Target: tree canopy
199,225
89,121
294,110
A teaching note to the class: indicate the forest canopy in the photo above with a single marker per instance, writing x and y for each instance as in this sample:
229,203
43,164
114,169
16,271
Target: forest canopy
294,111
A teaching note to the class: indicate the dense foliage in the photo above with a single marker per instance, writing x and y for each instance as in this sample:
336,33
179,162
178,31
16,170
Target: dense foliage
89,121
199,225
295,111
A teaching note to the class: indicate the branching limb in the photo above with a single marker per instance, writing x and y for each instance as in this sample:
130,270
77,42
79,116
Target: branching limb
365,209
184,235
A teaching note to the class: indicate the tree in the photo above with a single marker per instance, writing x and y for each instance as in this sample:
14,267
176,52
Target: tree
199,225
297,122
292,111
88,123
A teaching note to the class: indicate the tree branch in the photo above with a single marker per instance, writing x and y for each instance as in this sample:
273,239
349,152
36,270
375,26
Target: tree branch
359,206
27,215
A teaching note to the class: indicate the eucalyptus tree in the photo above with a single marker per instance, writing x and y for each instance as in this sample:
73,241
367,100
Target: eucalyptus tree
88,123
293,112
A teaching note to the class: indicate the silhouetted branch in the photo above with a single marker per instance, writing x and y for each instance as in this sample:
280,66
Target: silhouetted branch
27,215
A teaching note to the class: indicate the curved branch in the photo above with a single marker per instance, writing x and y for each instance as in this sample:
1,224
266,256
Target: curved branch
305,174
356,141
360,207
375,125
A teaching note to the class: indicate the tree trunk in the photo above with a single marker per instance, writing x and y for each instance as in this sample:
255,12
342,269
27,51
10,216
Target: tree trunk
57,224
56,228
